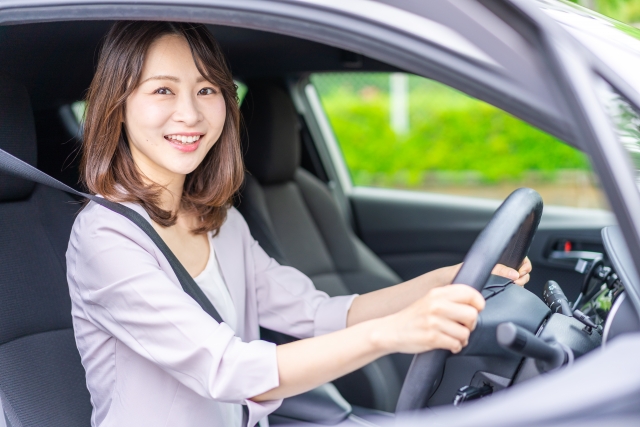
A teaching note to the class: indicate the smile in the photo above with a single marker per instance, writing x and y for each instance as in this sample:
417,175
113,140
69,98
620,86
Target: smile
186,143
183,139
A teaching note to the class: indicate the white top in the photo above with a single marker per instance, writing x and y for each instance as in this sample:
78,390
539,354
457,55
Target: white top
214,287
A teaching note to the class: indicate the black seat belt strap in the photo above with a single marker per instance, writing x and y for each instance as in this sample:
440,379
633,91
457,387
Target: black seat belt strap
12,165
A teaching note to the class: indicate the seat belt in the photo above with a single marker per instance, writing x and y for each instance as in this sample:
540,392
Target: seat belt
13,166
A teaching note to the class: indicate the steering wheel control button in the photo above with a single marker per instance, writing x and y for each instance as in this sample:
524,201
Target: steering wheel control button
555,298
548,355
469,392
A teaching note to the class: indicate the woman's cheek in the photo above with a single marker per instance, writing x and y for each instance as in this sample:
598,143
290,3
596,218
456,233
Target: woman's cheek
217,114
157,115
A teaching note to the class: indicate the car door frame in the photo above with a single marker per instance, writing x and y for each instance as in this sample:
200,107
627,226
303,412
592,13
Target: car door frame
588,120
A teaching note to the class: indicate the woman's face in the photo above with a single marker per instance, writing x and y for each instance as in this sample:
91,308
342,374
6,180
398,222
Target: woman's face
174,116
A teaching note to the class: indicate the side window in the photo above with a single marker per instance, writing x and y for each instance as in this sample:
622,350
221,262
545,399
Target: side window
402,131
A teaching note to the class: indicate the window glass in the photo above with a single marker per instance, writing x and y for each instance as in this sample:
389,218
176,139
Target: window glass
242,91
78,108
626,121
398,130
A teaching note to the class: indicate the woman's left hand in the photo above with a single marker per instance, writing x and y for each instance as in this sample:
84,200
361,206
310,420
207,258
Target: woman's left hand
520,277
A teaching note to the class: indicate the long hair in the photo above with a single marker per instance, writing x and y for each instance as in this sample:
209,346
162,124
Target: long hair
107,167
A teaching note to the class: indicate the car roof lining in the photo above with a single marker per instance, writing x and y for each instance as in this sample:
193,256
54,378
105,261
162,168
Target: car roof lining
56,65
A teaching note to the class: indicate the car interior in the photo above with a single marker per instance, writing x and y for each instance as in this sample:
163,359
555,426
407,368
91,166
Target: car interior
345,242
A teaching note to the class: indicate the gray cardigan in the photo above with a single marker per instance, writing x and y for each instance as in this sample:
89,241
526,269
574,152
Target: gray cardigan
152,356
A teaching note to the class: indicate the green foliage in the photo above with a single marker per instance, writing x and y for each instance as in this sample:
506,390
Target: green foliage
627,11
449,133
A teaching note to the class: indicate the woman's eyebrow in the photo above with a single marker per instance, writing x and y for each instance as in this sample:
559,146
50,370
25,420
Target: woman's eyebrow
172,78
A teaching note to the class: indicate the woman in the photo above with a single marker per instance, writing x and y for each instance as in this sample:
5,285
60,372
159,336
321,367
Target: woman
161,136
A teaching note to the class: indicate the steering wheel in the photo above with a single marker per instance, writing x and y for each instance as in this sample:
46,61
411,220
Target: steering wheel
506,240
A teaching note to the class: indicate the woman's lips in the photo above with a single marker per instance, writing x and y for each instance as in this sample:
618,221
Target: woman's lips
187,146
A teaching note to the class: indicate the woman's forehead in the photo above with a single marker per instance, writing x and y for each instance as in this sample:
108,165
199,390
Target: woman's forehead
170,56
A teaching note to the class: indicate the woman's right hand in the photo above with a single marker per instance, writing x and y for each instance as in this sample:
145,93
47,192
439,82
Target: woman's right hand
442,319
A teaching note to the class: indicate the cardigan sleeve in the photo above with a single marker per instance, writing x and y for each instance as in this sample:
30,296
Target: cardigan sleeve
124,292
288,302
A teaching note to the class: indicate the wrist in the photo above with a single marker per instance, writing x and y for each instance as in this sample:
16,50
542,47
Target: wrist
381,335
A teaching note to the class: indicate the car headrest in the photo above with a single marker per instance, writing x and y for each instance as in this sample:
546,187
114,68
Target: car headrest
17,136
271,142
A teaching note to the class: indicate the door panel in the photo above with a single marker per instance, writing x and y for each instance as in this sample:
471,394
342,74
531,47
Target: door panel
415,232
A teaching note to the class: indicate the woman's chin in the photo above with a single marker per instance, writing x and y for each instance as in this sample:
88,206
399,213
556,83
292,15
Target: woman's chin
183,169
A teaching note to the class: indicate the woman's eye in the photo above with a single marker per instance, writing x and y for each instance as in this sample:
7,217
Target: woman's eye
163,91
207,91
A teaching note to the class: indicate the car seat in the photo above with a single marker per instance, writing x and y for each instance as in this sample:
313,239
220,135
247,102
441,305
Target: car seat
295,218
42,381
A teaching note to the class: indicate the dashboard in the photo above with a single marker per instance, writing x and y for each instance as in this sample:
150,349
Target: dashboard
603,304
520,336
607,301
602,286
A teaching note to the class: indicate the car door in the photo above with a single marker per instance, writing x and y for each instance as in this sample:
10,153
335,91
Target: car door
426,166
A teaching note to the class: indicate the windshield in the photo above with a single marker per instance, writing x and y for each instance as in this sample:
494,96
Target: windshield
626,121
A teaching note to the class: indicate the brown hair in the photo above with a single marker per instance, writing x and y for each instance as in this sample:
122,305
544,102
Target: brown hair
107,167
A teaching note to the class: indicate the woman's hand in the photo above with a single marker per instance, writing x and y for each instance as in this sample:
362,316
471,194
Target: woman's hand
519,277
443,318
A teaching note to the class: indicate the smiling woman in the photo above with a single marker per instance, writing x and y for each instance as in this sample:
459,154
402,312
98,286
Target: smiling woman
185,129
161,137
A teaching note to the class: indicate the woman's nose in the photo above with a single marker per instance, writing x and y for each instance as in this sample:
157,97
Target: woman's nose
187,110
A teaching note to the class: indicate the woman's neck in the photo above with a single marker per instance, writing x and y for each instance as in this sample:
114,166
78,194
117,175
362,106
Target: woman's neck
171,194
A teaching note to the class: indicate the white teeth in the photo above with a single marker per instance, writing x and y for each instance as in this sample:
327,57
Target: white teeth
184,139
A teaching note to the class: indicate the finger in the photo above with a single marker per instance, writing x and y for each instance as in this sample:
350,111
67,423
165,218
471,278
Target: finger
462,294
446,342
463,314
526,267
504,271
453,329
523,280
